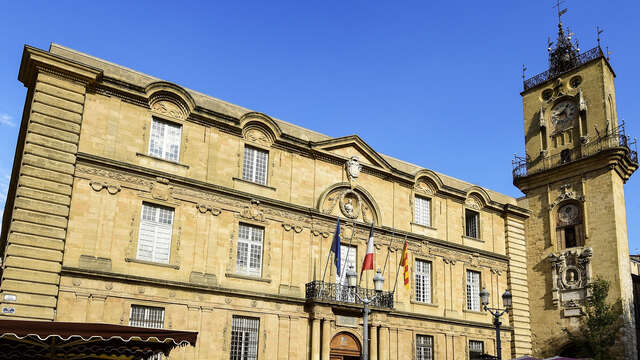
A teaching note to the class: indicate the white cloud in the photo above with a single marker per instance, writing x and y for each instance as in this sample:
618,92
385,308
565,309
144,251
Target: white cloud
6,119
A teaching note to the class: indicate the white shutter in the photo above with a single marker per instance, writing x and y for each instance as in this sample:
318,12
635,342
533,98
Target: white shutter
422,211
345,263
249,254
423,281
248,164
473,290
154,238
164,140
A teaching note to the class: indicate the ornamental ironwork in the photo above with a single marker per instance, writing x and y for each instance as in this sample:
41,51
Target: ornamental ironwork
329,292
574,60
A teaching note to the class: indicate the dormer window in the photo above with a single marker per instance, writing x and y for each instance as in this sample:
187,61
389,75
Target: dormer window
472,223
164,141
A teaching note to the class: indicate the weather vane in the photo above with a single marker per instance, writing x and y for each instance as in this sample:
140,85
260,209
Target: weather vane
560,11
599,31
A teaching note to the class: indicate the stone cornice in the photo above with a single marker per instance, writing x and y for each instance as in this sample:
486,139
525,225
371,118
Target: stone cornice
35,60
301,211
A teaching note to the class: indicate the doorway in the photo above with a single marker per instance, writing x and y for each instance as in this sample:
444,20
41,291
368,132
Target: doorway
345,346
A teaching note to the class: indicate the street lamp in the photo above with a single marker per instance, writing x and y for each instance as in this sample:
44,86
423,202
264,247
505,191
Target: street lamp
378,280
506,301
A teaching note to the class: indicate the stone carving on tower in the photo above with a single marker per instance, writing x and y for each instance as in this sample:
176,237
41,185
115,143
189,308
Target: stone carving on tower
571,275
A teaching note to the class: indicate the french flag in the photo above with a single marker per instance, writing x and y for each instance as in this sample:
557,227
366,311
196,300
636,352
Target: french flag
368,258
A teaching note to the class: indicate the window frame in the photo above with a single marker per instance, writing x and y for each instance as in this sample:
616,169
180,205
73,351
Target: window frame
252,176
428,293
147,309
245,352
156,226
165,137
481,351
243,265
416,214
429,345
476,214
470,304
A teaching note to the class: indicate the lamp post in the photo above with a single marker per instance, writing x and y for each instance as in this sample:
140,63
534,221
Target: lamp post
378,280
506,301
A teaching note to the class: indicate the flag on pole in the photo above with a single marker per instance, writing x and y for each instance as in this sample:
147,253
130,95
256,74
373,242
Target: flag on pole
367,264
335,247
405,265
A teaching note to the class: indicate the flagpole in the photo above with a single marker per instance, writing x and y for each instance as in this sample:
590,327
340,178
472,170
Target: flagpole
388,252
398,272
362,268
346,257
329,254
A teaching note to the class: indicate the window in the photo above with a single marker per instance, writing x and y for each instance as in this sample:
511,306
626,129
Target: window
254,166
147,316
473,290
249,257
476,349
347,259
244,338
472,222
422,211
154,239
164,141
424,347
423,281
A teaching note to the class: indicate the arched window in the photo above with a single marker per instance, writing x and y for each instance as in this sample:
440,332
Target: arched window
569,228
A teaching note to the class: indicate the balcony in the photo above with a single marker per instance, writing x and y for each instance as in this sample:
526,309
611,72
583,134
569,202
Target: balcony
585,57
615,139
332,293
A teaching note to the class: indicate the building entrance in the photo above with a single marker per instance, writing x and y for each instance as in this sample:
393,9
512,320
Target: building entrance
345,346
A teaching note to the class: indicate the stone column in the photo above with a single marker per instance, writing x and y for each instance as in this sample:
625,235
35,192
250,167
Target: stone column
326,338
383,344
315,339
373,344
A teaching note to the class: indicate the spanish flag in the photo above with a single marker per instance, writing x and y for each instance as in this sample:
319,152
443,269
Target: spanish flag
405,265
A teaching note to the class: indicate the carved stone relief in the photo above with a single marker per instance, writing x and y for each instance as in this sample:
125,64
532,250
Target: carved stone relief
160,189
253,211
353,168
566,193
424,187
473,202
288,227
204,208
350,204
168,108
258,137
111,188
571,271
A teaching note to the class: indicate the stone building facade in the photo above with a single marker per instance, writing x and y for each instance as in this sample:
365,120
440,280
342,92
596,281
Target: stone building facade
136,201
578,158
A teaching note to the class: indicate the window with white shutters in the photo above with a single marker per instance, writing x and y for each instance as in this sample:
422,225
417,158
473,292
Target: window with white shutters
472,223
154,238
424,347
476,349
473,290
249,255
146,316
347,260
165,140
254,165
244,338
423,281
422,211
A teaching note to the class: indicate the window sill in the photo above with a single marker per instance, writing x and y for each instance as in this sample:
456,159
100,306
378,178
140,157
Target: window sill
146,262
423,226
254,183
472,238
435,305
474,311
161,159
247,277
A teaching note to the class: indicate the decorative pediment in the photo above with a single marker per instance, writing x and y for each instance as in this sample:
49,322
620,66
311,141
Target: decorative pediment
169,100
352,203
350,146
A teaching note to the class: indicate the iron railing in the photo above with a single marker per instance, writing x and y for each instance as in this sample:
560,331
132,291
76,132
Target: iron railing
321,291
583,58
613,139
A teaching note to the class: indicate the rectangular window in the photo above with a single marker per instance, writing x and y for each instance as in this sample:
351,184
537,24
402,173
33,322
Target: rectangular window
154,239
476,349
424,347
147,316
249,256
347,259
422,211
473,290
423,281
254,165
472,220
165,140
244,338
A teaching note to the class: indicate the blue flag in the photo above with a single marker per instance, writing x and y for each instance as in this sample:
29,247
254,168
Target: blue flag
335,247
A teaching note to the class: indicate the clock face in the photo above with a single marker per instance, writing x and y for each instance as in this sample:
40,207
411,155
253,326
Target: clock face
563,115
568,213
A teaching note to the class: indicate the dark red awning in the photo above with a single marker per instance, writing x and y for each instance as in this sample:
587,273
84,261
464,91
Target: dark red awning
66,340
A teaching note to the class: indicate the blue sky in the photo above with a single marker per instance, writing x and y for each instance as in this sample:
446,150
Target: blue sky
433,83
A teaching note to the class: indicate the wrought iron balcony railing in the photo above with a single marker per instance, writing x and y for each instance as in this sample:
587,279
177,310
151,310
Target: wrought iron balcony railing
320,291
613,139
583,58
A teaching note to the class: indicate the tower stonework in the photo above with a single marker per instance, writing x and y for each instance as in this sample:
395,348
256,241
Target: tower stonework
577,160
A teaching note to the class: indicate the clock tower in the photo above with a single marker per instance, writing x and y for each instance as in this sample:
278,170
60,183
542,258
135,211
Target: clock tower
577,160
